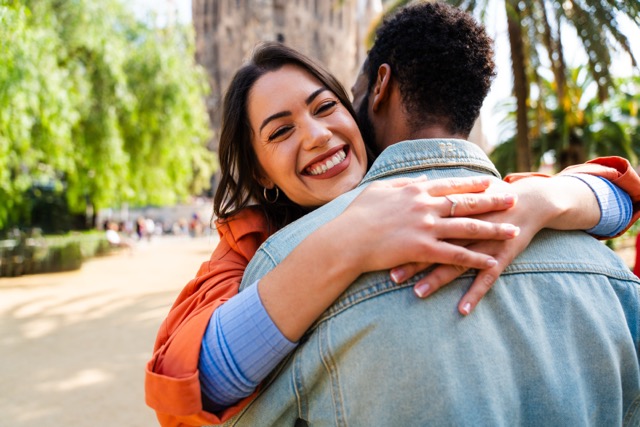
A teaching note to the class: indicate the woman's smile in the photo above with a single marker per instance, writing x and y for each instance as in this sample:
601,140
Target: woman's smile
329,164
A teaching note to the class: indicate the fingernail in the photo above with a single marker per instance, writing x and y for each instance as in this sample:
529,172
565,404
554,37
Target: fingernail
511,230
466,308
398,275
421,290
491,262
509,199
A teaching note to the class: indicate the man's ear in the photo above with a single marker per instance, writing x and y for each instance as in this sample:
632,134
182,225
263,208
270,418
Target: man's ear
382,88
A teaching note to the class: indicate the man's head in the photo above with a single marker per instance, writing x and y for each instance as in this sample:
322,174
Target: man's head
435,61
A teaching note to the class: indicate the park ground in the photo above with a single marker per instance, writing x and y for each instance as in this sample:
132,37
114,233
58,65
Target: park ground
73,345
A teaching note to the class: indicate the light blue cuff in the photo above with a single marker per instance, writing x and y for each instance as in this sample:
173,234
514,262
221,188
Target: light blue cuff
616,208
240,347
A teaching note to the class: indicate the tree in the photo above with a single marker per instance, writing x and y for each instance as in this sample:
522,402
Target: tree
35,133
535,30
596,128
98,106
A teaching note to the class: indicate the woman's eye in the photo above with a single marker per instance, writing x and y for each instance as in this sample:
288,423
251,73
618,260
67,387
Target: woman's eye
326,106
280,132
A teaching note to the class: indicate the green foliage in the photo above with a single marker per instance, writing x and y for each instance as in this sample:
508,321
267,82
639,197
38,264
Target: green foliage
536,34
33,254
98,106
595,128
164,128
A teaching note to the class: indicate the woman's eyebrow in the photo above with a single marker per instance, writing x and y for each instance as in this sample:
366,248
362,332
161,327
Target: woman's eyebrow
273,117
307,101
313,96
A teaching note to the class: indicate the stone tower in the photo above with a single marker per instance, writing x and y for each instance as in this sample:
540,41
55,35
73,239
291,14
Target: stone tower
330,31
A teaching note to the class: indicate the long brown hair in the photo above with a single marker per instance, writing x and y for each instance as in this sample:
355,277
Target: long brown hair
239,186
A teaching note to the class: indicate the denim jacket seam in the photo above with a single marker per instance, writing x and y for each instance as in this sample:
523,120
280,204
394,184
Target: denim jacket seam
562,267
413,165
265,249
357,298
298,387
384,286
330,366
632,412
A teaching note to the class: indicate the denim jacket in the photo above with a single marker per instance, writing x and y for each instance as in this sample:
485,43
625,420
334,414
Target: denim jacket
554,343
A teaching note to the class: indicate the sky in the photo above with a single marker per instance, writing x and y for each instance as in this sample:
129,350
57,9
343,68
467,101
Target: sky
501,89
144,9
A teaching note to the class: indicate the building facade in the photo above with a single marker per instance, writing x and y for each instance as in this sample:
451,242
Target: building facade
331,31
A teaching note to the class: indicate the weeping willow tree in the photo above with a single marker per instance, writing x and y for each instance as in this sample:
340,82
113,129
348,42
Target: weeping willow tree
97,106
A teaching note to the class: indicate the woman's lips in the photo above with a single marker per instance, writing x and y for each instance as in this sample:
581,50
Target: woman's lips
327,164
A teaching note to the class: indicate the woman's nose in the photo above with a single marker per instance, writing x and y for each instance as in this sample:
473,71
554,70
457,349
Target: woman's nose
317,135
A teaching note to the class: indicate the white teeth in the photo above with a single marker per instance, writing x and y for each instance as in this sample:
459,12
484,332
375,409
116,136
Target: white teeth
329,164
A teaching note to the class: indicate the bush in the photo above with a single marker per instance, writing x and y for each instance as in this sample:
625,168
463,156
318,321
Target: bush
34,253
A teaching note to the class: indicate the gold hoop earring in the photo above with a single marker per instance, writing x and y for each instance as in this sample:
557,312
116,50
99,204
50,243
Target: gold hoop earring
264,194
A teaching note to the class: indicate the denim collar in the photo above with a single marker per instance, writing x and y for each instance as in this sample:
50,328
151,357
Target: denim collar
424,154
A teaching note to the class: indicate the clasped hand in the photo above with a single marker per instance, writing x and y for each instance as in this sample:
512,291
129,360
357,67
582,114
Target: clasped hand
410,226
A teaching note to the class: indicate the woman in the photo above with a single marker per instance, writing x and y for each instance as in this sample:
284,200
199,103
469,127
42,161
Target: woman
316,123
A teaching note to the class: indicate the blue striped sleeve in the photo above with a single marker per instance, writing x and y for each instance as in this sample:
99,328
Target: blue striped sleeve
240,347
616,208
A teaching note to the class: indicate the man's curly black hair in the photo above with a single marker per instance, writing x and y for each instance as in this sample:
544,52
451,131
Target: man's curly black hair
442,60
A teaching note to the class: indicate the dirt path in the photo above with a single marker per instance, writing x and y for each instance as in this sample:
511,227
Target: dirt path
73,345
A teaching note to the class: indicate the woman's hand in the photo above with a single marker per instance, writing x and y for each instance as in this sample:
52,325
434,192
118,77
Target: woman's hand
409,220
390,223
562,203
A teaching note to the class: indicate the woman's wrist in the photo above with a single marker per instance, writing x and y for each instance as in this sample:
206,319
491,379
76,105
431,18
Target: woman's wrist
562,202
616,207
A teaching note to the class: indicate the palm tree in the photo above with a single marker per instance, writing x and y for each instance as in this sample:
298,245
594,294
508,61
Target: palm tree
535,28
595,128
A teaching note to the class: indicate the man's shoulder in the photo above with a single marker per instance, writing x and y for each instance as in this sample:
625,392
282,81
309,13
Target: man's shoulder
569,251
280,244
291,235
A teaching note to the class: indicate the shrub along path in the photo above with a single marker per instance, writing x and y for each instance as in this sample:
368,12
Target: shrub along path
73,345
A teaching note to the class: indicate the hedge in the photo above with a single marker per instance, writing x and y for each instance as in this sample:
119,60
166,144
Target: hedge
33,253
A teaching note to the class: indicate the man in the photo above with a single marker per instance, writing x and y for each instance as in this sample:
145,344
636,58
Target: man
554,343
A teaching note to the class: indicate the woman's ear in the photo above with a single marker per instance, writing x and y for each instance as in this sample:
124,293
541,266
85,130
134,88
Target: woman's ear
265,182
382,87
261,177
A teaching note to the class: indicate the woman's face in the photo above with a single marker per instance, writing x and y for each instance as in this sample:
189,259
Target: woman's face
306,142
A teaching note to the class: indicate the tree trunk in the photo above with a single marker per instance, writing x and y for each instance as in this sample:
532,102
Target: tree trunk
556,57
520,85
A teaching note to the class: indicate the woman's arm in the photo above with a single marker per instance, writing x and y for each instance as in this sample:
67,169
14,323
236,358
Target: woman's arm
559,202
616,170
388,224
320,268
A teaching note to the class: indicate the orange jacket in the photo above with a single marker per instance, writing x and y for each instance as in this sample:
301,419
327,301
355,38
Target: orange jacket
172,387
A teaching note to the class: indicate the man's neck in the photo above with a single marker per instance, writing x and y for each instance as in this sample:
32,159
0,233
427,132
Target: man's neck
426,132
435,132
